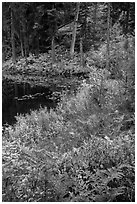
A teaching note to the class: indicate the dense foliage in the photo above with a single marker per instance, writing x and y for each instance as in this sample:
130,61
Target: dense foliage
78,153
84,150
36,23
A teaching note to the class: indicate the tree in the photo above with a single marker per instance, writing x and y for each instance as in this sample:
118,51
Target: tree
13,35
35,25
92,14
81,53
95,22
25,30
124,13
108,37
74,30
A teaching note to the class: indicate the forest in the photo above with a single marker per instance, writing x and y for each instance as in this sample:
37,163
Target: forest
68,101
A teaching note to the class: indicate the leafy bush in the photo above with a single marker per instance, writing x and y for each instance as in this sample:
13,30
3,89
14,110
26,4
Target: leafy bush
99,170
122,57
80,152
83,150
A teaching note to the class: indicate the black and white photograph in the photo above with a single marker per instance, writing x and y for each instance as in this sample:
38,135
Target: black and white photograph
68,101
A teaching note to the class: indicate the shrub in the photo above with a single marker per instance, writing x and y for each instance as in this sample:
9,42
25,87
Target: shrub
74,154
99,170
82,151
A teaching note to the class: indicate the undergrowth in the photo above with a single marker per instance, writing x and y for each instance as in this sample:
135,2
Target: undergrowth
81,152
76,153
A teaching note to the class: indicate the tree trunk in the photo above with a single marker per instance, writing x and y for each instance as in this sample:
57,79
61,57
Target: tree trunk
16,95
16,89
21,44
127,18
74,31
81,53
13,37
37,42
108,38
84,29
95,15
53,49
26,49
95,22
126,44
22,51
24,88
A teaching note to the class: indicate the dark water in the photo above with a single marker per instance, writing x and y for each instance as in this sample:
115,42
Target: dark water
25,106
36,97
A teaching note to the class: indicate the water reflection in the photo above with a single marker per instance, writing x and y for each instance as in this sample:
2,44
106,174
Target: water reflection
17,107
